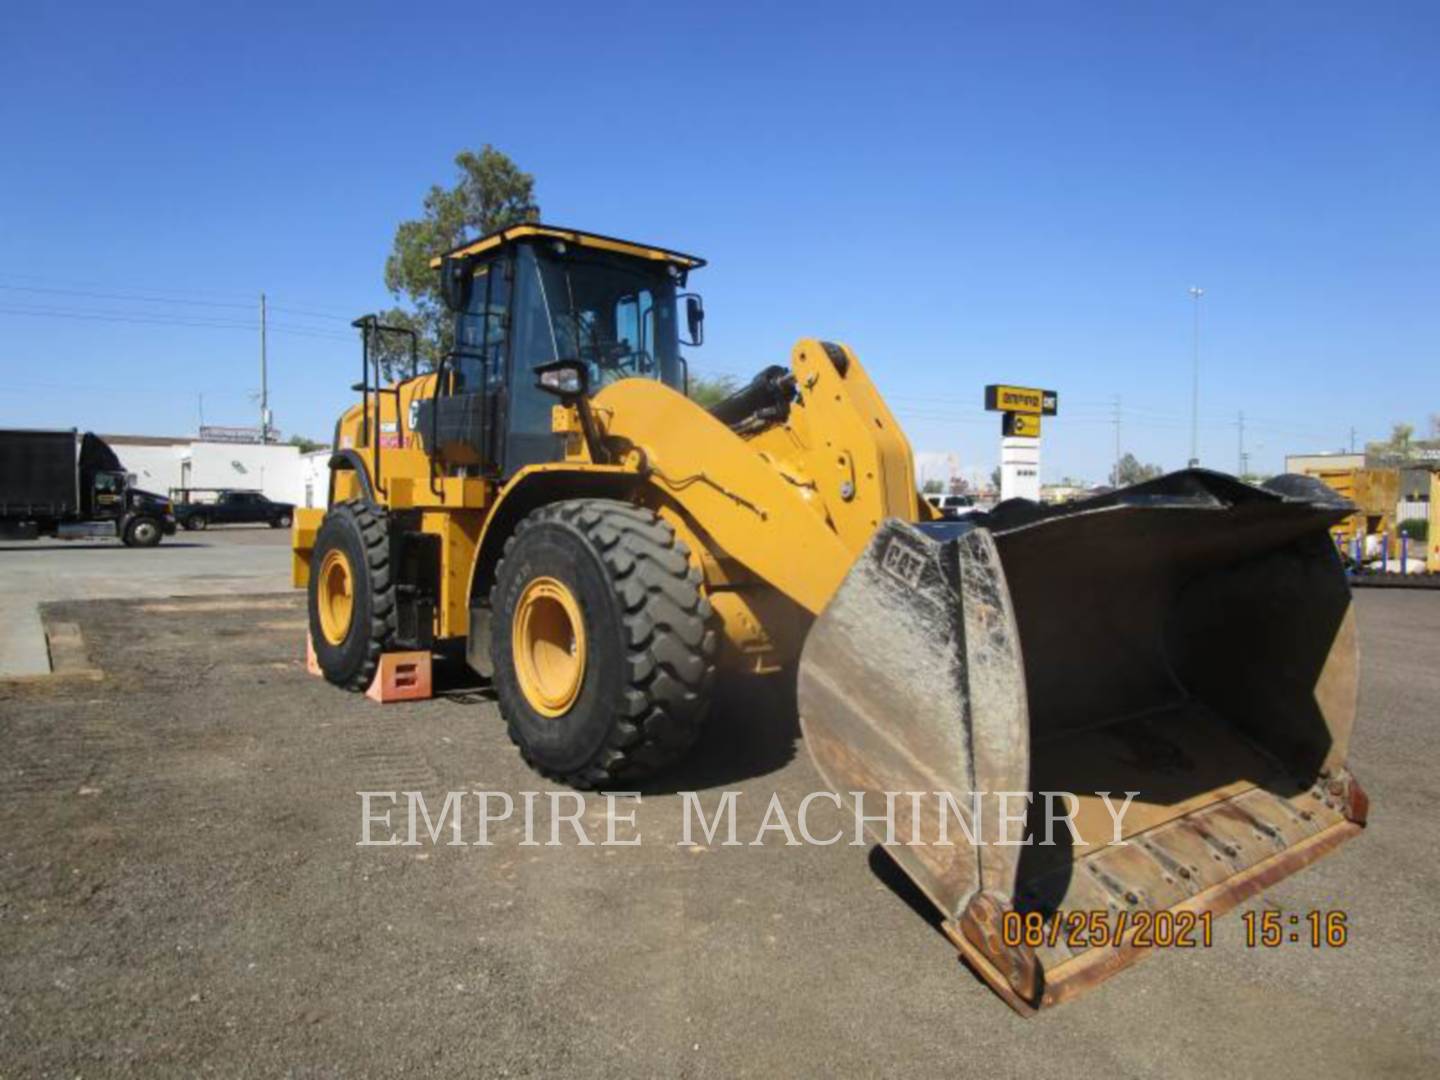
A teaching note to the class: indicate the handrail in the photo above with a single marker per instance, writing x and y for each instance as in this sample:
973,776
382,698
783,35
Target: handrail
368,325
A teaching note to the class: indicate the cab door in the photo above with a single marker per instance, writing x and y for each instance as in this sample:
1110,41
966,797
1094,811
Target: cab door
108,496
460,425
527,408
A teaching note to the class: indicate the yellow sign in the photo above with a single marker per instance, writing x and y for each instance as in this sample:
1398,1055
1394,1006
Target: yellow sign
1021,399
1022,424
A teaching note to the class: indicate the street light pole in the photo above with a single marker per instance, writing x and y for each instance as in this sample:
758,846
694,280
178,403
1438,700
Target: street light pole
264,380
1195,294
1115,480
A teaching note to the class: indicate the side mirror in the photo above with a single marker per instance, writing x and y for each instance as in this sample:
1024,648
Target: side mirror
563,378
456,278
694,319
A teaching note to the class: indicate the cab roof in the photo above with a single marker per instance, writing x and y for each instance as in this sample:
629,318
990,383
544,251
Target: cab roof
516,233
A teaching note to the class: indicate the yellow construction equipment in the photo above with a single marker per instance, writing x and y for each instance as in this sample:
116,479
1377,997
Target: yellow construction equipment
1374,494
1432,533
602,546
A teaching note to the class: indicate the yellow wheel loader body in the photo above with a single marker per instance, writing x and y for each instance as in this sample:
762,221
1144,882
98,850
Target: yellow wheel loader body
1175,663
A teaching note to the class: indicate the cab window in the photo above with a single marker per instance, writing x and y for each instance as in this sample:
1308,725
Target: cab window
482,331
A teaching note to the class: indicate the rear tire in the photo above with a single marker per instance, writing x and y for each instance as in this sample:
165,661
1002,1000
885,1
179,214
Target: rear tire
197,522
351,594
647,642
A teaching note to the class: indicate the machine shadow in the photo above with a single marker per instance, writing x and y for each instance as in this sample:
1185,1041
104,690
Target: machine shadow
752,730
887,871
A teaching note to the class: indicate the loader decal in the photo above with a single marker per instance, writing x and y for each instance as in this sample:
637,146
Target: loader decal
903,563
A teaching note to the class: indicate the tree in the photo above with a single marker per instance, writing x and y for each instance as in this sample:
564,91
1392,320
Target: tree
491,193
1401,436
307,445
708,390
1130,471
1396,450
995,478
932,487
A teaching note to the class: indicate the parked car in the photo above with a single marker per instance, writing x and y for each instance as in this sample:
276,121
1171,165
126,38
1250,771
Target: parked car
235,508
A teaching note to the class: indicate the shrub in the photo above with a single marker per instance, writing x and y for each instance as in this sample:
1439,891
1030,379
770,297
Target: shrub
1416,529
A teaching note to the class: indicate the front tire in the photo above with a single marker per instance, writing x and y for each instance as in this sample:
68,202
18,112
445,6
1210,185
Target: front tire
351,594
142,532
603,646
281,521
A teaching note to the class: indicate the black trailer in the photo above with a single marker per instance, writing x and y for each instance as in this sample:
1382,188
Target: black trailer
72,486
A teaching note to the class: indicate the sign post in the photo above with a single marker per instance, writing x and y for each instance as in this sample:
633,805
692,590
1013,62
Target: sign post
1020,408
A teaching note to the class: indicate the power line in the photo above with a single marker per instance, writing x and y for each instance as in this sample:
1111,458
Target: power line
71,283
158,319
123,296
154,319
148,296
347,319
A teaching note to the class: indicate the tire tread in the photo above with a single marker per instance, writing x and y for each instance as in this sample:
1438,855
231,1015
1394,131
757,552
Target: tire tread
371,523
668,633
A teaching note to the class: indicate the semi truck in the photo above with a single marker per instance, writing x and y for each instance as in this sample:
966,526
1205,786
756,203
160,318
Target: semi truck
72,486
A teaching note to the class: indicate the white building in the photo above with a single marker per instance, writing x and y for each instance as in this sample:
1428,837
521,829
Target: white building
315,478
161,463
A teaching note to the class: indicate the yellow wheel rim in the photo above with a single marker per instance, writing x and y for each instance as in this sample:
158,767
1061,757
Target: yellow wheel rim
335,596
548,642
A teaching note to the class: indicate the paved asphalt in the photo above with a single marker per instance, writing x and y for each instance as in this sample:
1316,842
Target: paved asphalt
223,560
181,891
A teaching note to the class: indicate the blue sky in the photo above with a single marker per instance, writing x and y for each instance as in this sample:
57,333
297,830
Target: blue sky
966,193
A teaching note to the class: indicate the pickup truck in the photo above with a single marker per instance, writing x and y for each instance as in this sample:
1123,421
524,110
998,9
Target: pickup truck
235,508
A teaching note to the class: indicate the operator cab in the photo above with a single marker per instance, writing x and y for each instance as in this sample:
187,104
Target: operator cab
533,295
108,494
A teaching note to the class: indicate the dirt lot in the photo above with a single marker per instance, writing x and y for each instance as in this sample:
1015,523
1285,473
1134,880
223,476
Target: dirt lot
181,892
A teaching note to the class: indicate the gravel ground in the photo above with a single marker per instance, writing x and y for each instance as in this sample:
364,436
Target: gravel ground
181,893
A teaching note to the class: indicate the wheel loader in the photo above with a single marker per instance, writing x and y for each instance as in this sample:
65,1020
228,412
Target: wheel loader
604,549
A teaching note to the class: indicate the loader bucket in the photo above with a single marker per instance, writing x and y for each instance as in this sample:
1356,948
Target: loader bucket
1189,639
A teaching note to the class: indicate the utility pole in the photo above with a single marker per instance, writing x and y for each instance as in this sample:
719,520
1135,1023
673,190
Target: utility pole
1195,294
1115,482
1240,459
264,385
1352,438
